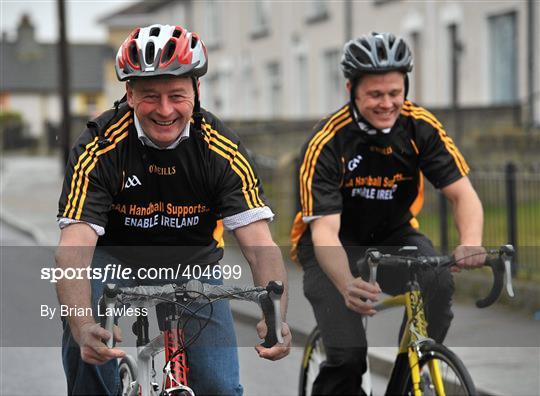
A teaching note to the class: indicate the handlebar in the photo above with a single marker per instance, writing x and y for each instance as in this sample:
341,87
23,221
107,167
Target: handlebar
146,296
500,266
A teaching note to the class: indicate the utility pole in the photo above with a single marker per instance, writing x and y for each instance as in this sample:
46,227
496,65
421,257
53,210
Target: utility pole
531,43
64,79
456,48
348,17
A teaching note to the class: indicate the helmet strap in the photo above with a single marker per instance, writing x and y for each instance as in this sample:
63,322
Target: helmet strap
197,115
102,140
406,86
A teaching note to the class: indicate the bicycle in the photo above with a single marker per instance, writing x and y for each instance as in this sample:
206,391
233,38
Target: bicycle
422,366
138,375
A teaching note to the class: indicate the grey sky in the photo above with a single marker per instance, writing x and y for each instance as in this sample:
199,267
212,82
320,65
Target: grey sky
82,17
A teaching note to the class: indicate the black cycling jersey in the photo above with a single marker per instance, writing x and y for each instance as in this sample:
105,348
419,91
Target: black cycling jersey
375,183
143,196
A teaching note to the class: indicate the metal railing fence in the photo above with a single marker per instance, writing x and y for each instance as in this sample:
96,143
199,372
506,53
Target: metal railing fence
510,196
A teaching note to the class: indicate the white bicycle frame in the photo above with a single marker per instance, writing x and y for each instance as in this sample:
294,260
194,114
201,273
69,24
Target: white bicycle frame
147,352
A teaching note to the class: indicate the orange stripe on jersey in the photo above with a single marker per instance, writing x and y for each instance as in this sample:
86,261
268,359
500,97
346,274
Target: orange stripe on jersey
415,147
416,206
304,168
298,229
218,234
447,141
240,161
307,169
116,138
414,223
328,137
83,161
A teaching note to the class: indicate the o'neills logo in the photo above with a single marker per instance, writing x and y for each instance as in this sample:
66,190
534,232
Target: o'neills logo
162,171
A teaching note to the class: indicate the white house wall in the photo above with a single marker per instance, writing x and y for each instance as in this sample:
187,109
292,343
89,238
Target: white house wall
37,109
238,81
29,107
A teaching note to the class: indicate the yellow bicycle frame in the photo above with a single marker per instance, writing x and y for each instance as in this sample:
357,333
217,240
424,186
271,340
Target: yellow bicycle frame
416,321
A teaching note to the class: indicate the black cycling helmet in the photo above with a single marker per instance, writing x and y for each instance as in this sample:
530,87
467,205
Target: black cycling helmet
375,53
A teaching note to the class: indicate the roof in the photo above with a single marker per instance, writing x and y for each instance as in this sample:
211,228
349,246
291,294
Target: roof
140,8
38,70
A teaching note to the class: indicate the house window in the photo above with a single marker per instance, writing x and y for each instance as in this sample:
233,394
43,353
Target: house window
274,89
261,19
334,82
213,24
248,91
91,104
503,58
303,86
317,11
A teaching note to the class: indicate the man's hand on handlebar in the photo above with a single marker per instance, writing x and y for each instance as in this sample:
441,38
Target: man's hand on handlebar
359,294
469,257
278,351
91,337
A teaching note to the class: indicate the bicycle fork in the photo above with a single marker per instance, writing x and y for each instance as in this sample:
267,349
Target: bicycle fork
417,337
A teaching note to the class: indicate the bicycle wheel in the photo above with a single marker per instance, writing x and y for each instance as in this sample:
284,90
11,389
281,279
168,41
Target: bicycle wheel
127,370
455,377
314,355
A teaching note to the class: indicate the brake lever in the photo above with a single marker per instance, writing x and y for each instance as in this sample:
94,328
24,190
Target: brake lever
508,272
110,294
373,259
507,254
270,301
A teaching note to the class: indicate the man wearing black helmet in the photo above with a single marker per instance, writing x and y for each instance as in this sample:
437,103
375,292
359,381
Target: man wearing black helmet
154,183
361,185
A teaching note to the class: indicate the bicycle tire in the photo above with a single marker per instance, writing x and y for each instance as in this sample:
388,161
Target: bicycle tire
127,371
457,380
312,357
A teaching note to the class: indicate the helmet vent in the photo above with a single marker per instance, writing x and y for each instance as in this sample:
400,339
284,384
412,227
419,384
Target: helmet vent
400,53
149,53
133,53
194,41
136,35
169,51
155,31
381,51
177,33
365,43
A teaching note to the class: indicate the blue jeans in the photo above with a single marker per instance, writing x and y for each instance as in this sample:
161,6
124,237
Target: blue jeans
212,358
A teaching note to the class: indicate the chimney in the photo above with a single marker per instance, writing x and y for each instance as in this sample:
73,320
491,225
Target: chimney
27,46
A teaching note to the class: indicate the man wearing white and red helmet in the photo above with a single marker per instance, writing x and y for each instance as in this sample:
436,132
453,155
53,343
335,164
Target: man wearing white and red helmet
361,186
153,183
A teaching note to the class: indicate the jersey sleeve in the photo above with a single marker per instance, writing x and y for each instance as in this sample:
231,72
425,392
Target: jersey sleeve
440,160
237,186
319,178
87,189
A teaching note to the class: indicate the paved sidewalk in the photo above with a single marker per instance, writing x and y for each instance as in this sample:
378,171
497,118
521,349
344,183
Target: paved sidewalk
501,348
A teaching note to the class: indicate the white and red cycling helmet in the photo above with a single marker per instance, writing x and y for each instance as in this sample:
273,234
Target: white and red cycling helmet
158,50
